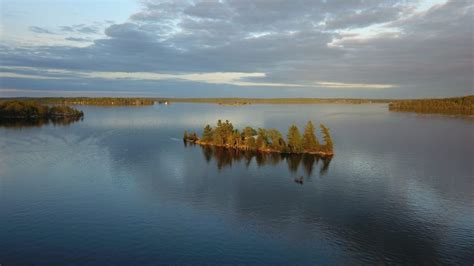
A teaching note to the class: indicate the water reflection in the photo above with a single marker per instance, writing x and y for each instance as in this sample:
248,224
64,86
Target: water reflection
225,157
18,123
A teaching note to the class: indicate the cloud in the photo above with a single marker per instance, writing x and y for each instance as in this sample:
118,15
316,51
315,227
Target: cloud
24,76
67,28
82,28
340,85
367,17
357,47
230,78
74,39
40,30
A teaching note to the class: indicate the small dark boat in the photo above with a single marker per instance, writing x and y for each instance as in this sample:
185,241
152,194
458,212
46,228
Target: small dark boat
299,180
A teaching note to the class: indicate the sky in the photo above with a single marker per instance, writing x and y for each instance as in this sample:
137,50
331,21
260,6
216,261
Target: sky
237,48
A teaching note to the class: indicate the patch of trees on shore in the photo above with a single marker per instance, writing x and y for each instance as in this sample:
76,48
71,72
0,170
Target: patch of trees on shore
455,106
32,109
244,101
265,140
103,101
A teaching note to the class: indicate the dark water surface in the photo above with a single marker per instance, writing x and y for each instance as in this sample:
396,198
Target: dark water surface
121,188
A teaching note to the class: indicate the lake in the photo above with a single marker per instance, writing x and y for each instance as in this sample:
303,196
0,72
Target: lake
120,187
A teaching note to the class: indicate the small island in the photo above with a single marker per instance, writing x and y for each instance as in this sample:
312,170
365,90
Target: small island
265,140
27,110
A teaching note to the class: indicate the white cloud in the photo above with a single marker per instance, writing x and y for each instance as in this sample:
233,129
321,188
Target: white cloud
24,76
230,78
341,85
425,5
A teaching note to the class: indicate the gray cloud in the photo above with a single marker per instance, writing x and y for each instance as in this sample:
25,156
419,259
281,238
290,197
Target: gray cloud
82,28
73,39
422,54
41,30
67,28
363,18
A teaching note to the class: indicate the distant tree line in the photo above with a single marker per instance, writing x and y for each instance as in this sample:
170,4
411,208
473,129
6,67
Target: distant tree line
459,105
243,101
265,140
105,101
33,109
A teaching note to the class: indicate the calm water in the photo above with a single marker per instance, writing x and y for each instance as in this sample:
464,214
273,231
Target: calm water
120,187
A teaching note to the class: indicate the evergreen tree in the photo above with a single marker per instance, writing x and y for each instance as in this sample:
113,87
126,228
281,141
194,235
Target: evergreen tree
310,141
207,134
194,136
251,143
185,136
294,139
236,138
249,132
227,132
276,139
217,137
262,138
328,145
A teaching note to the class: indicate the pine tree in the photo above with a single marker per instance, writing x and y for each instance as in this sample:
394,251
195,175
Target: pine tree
236,138
249,132
207,134
276,139
185,136
194,136
217,138
251,143
310,141
328,145
227,132
294,139
219,135
262,138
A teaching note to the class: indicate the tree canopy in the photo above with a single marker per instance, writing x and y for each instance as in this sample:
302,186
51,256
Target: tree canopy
32,109
310,141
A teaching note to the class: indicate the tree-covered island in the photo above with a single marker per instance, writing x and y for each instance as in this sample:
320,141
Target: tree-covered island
265,140
35,110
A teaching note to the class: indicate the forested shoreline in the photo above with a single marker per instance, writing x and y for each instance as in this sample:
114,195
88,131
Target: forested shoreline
243,101
114,101
33,110
103,101
19,114
455,106
265,140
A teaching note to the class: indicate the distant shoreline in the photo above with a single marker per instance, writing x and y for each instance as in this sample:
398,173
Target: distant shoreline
224,100
452,106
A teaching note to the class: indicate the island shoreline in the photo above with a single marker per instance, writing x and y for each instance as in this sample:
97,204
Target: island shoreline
244,148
